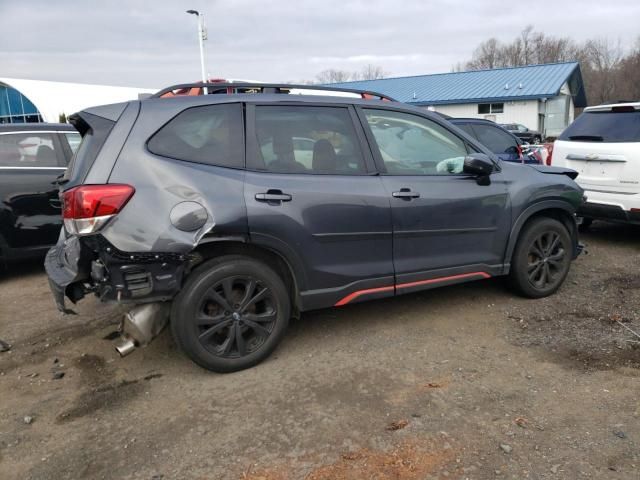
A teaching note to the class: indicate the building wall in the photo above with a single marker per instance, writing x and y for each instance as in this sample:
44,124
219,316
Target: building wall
53,98
524,112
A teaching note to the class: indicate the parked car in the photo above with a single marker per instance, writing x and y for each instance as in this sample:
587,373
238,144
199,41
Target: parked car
524,133
31,157
504,144
200,208
603,144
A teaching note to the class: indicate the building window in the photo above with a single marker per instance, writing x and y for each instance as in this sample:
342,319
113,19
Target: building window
16,108
485,108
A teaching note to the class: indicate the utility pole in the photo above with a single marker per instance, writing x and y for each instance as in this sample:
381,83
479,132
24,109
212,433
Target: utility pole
202,36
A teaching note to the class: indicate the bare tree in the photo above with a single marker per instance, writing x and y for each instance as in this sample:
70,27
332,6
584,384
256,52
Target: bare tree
333,76
487,55
608,73
370,72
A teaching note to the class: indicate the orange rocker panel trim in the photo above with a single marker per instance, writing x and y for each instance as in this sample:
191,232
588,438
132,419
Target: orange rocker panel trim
359,293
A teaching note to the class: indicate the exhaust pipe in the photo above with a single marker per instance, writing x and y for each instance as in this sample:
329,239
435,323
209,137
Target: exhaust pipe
141,325
125,345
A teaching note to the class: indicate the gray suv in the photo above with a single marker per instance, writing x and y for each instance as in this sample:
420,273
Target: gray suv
228,213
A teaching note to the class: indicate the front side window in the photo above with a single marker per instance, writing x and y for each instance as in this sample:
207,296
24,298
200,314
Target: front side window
413,145
211,134
495,139
27,150
305,139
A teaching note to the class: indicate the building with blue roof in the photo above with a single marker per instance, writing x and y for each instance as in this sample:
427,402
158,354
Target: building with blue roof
541,97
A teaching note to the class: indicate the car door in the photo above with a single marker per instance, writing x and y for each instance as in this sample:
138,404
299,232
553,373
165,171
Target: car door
447,226
30,161
312,195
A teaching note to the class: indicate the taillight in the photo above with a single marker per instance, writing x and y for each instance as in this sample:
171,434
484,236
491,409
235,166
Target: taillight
520,155
87,208
550,150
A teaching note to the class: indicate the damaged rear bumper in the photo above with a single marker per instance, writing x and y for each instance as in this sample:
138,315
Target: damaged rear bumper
80,265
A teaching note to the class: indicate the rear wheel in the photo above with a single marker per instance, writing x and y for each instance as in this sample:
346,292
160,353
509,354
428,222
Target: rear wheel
541,259
231,313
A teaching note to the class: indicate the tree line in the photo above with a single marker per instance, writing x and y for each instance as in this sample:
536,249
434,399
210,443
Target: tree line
610,72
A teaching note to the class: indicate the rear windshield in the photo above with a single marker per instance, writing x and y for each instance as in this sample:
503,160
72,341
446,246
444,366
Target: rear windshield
604,127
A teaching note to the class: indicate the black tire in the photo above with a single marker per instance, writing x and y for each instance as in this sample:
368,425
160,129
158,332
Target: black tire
585,224
230,314
541,259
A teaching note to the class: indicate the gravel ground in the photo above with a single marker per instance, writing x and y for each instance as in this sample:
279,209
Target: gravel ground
461,382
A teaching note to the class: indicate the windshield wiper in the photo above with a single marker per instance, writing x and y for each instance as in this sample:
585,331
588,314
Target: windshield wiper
587,138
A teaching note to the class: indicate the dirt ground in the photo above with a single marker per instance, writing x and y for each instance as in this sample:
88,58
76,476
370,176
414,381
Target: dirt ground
465,382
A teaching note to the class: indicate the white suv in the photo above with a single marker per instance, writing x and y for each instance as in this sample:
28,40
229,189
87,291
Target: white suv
603,145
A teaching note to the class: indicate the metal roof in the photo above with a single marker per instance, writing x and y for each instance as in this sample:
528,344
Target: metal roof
499,84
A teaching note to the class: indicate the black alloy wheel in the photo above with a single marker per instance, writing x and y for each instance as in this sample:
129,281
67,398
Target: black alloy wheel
546,259
541,259
236,316
231,313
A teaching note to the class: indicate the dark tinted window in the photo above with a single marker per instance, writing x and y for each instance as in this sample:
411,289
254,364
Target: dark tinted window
495,139
212,134
604,127
299,139
484,108
467,129
28,150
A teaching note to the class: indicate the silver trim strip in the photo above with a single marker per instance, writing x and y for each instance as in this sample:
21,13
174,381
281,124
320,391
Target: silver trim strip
595,158
19,132
609,191
33,168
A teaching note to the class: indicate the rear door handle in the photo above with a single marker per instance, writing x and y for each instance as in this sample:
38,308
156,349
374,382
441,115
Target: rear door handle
405,194
273,195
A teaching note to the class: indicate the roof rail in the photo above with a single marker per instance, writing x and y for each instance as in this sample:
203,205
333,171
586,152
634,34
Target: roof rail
199,88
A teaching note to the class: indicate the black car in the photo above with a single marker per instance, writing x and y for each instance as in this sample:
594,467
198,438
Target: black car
522,132
32,156
503,143
233,211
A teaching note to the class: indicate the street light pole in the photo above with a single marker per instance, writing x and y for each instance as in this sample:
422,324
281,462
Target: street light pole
202,36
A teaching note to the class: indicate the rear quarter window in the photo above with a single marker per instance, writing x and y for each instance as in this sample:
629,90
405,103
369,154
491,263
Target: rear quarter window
211,134
604,126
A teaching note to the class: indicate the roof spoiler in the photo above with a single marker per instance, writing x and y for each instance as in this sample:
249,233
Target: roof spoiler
199,88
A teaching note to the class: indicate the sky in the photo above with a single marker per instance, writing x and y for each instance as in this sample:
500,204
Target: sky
154,43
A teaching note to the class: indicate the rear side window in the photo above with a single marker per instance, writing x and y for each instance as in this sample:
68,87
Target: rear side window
495,139
311,140
604,127
211,134
28,150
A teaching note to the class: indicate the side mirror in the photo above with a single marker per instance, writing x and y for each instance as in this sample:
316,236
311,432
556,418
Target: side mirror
477,164
480,166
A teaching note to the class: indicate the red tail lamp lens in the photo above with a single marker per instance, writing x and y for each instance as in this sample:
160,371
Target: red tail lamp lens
88,201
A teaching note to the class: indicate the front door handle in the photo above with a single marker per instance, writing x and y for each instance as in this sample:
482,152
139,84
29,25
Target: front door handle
405,194
273,196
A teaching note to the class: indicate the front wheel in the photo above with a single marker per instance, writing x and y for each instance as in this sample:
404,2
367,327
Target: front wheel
541,259
231,313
